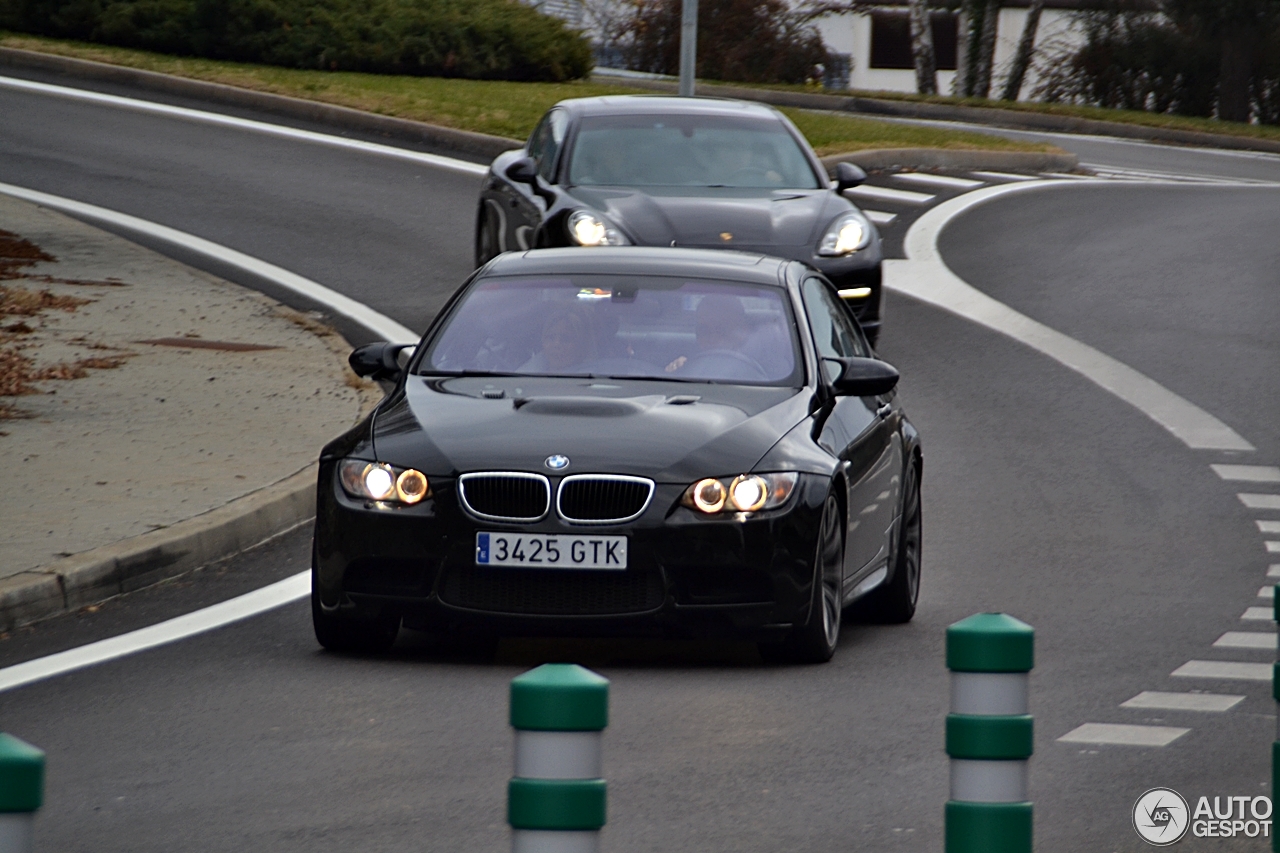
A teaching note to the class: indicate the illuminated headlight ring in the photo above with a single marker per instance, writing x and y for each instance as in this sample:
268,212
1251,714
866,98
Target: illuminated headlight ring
846,235
378,481
743,493
588,229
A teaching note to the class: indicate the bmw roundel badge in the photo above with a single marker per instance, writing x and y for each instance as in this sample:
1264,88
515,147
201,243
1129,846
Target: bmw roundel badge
556,462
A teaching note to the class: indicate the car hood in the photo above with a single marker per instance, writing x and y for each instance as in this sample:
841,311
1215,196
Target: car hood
671,432
753,219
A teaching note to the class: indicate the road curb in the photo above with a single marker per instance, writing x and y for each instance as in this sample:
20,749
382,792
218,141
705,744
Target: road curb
959,159
141,561
482,146
991,116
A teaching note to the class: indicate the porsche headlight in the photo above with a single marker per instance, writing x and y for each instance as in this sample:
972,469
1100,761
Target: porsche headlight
378,481
846,235
587,229
744,493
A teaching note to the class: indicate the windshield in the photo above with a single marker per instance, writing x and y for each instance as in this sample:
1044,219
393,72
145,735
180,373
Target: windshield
688,151
616,326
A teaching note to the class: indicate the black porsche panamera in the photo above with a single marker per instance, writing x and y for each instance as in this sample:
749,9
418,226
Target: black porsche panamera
707,173
634,441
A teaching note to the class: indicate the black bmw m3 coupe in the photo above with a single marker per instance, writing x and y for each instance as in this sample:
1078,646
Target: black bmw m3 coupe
636,441
641,170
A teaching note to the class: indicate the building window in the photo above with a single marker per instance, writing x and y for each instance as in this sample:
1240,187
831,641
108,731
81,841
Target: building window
891,40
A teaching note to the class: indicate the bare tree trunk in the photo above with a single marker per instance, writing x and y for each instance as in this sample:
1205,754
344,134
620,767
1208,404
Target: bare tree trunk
922,48
962,84
1235,73
986,49
1022,59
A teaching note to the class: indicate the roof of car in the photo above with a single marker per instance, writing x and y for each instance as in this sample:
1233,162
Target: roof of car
664,104
642,260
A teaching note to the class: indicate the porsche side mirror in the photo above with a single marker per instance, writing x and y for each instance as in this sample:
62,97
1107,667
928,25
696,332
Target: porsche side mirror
848,176
523,171
381,362
863,377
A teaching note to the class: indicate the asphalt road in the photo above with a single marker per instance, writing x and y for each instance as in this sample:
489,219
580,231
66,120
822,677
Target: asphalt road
1045,497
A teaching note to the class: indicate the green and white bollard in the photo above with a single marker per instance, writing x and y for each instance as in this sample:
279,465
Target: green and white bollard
21,793
989,734
556,800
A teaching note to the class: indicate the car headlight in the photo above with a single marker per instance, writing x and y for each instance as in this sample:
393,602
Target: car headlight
378,481
744,493
846,235
587,229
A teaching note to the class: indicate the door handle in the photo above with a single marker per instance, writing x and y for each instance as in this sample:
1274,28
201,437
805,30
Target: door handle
883,411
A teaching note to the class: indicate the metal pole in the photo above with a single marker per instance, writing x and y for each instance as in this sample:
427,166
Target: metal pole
989,735
688,47
21,793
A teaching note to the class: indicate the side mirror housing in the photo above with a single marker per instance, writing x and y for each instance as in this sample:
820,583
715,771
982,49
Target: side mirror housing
523,171
382,362
848,176
863,377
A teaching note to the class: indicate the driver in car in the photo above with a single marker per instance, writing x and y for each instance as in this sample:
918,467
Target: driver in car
723,330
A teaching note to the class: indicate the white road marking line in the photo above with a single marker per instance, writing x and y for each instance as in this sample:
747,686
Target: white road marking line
1273,547
1248,473
937,180
1164,177
380,324
241,607
245,124
886,194
1259,614
1233,670
926,277
1273,571
1268,526
1003,176
1267,592
1123,735
880,217
1246,640
1156,700
1253,501
1067,176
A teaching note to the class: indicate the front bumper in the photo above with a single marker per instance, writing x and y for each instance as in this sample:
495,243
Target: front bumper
688,575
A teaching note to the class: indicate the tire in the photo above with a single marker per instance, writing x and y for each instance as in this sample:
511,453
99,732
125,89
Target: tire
351,636
816,640
486,237
895,601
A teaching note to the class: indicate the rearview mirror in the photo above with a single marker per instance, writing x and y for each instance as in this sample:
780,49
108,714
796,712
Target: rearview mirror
848,176
863,377
523,171
383,362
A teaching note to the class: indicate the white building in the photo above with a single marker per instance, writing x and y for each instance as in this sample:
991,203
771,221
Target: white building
878,43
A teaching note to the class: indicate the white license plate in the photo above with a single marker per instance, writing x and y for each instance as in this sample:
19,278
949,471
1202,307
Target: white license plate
551,552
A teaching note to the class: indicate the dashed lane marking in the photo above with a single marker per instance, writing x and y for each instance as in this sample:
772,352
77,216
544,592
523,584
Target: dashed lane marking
1123,735
1248,473
1232,670
1156,700
1259,614
1256,501
937,180
1246,640
886,194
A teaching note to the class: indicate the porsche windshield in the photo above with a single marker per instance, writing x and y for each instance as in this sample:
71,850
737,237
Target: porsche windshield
688,151
616,326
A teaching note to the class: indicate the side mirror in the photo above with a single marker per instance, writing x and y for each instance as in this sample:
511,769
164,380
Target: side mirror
523,171
382,361
848,176
863,377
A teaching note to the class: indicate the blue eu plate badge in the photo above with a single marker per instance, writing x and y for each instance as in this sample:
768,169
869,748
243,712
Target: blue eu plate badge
482,547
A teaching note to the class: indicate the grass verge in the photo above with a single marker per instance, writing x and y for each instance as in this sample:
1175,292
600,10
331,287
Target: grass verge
488,106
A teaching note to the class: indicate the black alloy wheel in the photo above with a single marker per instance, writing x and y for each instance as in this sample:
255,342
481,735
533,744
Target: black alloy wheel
815,641
350,636
486,236
895,601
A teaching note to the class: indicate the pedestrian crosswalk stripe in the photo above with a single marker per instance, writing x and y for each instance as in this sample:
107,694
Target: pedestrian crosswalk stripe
1259,614
1123,735
1248,473
1224,669
1273,571
1003,176
1273,547
1246,640
886,194
1268,526
1157,700
1253,501
937,180
1268,591
880,217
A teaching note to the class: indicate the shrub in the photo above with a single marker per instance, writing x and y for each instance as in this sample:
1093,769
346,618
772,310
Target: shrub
484,39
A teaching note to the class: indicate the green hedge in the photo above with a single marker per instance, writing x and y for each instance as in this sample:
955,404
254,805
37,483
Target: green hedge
481,39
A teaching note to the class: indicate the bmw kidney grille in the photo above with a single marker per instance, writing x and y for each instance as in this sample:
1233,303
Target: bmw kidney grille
505,496
603,498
